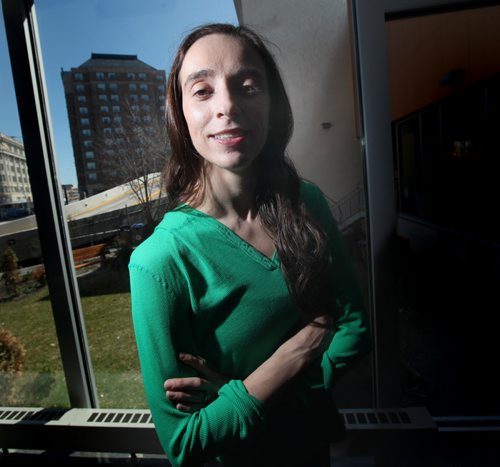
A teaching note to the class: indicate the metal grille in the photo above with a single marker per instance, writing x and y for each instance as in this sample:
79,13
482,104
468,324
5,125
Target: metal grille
30,415
119,417
410,418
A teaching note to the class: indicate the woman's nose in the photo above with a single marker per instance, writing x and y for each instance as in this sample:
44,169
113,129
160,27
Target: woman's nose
227,105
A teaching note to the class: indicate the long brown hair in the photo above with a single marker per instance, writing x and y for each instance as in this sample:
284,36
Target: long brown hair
300,243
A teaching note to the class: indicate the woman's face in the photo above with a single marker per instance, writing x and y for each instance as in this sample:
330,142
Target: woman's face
225,100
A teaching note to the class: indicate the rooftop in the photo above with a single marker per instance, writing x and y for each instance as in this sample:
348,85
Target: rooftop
98,60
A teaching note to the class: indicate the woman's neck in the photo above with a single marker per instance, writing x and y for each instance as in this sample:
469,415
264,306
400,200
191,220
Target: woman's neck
230,198
229,195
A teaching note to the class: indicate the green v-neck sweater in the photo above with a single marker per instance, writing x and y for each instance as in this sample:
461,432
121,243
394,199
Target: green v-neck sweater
197,287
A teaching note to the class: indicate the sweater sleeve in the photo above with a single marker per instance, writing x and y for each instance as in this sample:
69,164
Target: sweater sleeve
161,324
351,339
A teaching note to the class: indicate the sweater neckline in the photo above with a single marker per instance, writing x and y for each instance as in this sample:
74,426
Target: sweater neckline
269,263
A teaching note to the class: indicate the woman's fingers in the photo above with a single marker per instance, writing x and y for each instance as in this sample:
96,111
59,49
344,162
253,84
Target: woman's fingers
189,408
191,397
193,393
195,361
179,384
200,364
189,394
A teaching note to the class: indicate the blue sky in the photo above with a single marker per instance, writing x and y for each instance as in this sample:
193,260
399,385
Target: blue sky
70,30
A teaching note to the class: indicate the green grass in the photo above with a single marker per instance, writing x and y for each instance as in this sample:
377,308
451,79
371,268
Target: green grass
105,299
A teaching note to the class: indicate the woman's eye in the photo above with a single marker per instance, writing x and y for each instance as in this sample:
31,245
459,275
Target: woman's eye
251,88
201,92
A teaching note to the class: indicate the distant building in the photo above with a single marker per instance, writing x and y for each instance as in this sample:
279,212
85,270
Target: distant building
14,180
70,193
106,97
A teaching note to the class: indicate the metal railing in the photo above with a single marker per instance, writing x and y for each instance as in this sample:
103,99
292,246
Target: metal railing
349,208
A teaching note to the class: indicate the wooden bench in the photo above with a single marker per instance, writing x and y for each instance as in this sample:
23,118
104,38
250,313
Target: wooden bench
88,255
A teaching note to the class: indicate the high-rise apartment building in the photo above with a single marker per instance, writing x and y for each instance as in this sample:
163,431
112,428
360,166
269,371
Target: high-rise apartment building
109,97
14,180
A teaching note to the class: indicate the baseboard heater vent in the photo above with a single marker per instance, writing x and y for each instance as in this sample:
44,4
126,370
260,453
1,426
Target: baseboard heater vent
94,430
15,415
132,430
410,418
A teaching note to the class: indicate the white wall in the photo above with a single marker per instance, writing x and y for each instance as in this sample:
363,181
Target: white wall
313,51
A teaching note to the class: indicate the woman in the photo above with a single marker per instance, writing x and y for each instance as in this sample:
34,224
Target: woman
245,306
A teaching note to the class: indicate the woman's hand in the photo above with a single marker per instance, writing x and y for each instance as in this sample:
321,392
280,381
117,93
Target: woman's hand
193,393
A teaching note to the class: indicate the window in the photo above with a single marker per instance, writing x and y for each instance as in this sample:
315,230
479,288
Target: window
91,165
80,88
103,97
159,77
134,108
143,87
142,76
81,99
87,143
106,131
78,76
132,86
29,317
104,108
119,131
161,88
146,108
84,121
105,120
84,110
115,97
146,118
161,98
133,98
86,132
117,119
115,108
145,97
112,379
113,87
111,75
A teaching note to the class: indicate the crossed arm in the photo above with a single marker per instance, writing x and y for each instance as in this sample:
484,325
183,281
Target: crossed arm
264,383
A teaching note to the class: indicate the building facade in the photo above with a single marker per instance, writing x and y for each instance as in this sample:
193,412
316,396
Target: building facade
109,98
14,180
70,193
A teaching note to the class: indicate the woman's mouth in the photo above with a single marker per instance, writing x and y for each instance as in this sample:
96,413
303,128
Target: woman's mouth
229,137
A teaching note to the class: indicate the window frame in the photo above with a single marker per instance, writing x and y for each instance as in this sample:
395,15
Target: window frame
368,20
31,94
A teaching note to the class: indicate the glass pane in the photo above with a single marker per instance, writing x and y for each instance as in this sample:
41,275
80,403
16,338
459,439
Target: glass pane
444,108
325,146
106,84
31,373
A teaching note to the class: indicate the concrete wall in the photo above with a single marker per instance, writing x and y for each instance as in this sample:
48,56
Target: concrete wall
313,50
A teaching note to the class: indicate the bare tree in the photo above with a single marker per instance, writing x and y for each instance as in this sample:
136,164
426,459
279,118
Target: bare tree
135,153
